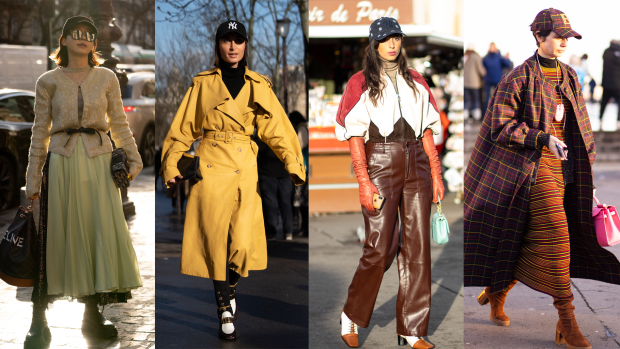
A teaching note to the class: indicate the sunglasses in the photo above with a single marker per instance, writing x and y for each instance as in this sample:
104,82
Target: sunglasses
78,34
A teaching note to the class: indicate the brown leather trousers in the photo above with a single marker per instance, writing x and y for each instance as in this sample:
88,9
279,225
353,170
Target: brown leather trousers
401,173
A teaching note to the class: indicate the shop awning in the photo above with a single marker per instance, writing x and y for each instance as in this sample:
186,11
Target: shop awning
361,31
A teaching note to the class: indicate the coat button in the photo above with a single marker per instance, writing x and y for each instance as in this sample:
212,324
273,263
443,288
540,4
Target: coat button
217,127
214,144
237,171
209,166
239,149
242,128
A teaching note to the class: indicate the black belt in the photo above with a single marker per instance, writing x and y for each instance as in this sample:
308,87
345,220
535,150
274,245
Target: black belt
90,131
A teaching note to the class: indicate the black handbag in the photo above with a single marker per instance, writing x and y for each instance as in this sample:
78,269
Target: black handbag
189,167
120,168
18,251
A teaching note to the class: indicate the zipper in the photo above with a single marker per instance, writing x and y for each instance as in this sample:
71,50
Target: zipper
402,135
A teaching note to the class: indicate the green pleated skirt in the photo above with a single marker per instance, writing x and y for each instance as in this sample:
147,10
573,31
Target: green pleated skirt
88,245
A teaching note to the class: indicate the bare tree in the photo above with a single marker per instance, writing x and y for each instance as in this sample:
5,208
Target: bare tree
203,16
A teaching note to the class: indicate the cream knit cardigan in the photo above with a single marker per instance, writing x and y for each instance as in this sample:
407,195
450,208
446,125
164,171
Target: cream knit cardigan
56,110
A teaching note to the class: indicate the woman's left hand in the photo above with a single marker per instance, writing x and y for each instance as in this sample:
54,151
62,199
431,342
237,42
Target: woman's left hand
438,190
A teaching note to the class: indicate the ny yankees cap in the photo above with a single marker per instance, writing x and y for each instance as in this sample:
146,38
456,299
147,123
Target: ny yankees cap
231,27
71,22
556,20
382,27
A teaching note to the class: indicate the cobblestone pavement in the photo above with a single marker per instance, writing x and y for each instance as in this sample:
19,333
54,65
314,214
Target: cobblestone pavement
134,320
334,257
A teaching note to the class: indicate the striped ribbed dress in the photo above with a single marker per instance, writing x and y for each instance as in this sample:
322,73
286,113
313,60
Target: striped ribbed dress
544,259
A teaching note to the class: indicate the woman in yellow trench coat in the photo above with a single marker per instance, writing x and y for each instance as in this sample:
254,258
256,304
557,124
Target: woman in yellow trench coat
224,227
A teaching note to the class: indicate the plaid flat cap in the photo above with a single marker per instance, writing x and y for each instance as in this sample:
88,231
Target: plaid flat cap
556,20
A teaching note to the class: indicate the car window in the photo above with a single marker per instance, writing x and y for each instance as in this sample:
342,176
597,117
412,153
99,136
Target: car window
27,107
148,89
127,92
16,109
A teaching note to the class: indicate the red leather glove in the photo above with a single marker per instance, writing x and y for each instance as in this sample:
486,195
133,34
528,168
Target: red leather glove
433,157
358,158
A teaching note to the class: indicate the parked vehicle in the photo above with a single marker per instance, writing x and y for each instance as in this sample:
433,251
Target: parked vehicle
139,103
16,119
21,66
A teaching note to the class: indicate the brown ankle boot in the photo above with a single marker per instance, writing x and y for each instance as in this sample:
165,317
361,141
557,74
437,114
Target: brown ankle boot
497,304
567,330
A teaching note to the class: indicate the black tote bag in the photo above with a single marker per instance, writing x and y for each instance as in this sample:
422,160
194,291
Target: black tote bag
18,250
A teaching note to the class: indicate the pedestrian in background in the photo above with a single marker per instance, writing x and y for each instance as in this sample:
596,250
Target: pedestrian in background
474,74
224,233
543,195
510,65
591,82
611,77
494,63
276,191
300,200
88,254
389,117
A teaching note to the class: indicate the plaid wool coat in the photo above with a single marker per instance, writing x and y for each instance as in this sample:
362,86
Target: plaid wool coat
502,168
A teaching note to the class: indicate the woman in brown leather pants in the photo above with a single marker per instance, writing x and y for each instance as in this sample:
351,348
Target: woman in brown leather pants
389,117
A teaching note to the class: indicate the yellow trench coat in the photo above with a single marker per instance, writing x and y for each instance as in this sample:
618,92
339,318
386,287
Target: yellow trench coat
227,201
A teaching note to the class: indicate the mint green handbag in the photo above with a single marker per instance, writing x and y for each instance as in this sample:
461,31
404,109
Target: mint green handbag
441,229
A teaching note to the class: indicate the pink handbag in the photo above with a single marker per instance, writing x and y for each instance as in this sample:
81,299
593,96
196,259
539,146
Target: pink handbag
606,223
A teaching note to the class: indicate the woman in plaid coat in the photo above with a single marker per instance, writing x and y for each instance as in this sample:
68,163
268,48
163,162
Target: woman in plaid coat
528,208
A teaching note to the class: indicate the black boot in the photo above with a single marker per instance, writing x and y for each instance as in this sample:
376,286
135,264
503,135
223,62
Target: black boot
233,278
224,310
94,323
39,335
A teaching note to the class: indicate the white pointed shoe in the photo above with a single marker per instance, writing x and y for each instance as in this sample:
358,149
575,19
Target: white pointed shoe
414,342
348,330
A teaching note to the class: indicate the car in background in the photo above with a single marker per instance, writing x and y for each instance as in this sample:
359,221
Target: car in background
139,104
16,119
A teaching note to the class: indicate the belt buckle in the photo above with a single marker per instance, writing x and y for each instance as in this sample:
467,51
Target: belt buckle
229,137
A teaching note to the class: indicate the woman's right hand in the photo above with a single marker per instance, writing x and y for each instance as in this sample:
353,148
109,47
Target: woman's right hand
554,150
367,189
174,180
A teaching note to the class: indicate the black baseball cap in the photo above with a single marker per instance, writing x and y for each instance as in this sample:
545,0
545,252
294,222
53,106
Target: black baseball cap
71,22
382,27
231,27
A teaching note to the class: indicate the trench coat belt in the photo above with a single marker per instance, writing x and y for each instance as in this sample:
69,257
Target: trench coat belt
227,137
88,130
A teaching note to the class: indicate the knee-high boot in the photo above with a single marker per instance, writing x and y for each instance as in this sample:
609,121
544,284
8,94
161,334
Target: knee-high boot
497,304
567,331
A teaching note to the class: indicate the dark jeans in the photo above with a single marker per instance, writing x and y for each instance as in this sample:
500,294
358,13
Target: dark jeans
607,94
472,99
276,196
487,94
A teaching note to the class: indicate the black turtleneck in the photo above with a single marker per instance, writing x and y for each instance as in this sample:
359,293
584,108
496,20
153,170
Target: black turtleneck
547,62
233,78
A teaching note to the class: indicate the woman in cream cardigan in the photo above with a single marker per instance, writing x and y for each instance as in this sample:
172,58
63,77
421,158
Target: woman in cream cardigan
88,253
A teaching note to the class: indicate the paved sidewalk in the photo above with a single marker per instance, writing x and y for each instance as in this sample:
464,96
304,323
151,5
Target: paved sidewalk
532,314
273,303
135,320
334,256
